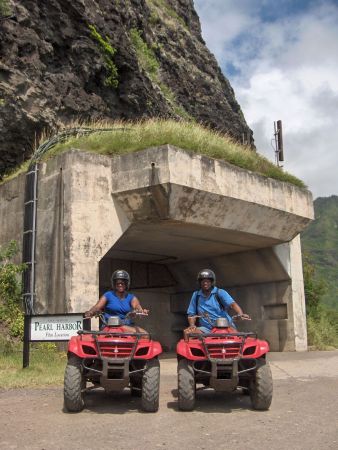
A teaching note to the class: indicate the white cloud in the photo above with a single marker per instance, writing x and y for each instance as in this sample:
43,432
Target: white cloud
286,69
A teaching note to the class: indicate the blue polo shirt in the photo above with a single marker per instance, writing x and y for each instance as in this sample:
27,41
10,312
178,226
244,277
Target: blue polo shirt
117,306
200,304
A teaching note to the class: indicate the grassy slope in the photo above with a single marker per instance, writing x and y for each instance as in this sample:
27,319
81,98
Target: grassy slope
131,137
46,367
320,242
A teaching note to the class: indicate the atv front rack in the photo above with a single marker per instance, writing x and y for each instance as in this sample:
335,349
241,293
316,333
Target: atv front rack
112,347
116,355
221,350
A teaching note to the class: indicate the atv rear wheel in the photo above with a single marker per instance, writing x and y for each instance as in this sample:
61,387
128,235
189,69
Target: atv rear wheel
74,385
151,386
261,388
186,385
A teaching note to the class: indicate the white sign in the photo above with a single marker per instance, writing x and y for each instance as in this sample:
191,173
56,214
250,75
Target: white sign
55,328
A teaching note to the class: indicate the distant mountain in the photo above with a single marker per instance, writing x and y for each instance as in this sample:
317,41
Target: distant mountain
320,242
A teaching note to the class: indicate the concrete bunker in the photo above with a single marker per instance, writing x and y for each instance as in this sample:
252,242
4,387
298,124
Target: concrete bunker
163,214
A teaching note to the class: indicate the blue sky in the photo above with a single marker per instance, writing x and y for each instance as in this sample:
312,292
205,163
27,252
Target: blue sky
281,58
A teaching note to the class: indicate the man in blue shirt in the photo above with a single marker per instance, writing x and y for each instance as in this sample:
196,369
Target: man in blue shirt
211,302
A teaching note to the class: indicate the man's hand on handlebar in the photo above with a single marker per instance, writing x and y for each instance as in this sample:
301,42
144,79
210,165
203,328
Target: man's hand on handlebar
241,317
191,329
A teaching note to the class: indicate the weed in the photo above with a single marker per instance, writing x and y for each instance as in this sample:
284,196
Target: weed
108,53
167,13
145,55
5,8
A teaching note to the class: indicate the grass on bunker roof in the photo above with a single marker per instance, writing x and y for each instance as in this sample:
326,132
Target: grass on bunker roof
116,138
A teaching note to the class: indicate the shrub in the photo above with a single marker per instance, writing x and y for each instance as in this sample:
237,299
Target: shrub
11,314
321,322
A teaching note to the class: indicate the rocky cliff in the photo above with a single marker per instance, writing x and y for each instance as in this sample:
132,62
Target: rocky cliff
67,60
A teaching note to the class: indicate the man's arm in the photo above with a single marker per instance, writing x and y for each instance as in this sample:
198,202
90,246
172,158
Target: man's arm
235,306
192,321
192,312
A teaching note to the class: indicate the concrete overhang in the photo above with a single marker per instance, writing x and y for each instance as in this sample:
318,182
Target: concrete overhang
190,206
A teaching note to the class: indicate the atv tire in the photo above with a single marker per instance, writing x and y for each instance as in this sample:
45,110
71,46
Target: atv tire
186,385
151,386
261,388
74,385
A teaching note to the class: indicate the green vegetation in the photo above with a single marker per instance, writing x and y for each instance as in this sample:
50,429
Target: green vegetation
320,242
320,249
5,8
322,323
145,55
2,102
127,137
167,13
151,66
108,53
11,315
46,366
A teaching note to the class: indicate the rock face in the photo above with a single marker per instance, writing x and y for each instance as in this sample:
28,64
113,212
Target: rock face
64,60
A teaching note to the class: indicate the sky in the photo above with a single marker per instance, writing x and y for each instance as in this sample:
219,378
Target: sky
281,58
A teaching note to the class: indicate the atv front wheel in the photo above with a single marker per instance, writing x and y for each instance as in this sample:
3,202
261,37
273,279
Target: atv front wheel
186,385
261,388
74,385
151,386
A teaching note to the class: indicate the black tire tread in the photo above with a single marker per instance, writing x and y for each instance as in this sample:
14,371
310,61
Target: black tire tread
73,385
151,386
186,385
261,388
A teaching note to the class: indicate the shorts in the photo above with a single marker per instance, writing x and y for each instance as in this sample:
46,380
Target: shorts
204,330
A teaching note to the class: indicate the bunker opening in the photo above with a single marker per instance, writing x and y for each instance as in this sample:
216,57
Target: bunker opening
163,259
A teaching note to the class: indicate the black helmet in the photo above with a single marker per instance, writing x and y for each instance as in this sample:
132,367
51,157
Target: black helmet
120,275
206,274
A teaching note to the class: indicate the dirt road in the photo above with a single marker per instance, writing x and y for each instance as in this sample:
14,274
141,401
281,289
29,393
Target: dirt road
303,415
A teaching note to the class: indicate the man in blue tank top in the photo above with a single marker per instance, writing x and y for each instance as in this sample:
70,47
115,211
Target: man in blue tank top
119,302
209,302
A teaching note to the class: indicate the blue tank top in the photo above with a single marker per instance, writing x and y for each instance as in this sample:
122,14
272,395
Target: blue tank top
117,306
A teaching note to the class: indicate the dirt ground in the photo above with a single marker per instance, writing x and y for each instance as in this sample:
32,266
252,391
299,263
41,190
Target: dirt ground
303,414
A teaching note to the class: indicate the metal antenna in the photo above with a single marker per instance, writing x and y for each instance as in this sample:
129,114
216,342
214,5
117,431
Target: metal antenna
279,151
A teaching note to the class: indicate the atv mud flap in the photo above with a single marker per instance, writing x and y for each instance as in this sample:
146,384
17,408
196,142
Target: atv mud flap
115,374
224,375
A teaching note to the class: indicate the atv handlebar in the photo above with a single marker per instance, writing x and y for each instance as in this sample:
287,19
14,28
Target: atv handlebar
130,315
205,315
241,317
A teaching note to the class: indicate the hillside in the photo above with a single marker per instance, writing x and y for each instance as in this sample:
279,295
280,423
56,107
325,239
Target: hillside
320,242
62,61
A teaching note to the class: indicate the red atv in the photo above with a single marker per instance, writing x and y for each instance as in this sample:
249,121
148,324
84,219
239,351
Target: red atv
224,360
113,360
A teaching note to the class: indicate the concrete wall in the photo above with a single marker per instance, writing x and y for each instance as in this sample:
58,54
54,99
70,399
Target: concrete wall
171,208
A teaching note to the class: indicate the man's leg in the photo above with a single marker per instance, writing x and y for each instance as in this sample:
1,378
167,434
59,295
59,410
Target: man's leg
133,329
193,330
